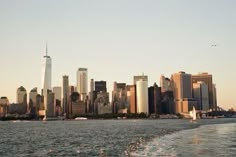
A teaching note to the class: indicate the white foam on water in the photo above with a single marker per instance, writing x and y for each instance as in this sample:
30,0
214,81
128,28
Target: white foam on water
200,141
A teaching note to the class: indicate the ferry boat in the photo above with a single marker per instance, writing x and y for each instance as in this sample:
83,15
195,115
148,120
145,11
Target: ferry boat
81,118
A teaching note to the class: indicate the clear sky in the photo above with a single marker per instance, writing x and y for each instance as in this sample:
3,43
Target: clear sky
116,39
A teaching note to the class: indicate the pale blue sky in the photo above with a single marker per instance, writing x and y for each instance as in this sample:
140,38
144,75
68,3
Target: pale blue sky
118,39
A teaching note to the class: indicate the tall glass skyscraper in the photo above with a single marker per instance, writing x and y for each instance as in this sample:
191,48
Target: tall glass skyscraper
46,72
46,77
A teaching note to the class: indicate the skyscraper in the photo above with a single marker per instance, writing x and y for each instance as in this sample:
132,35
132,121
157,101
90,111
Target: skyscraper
46,72
33,101
200,92
142,96
65,93
91,96
182,88
100,86
46,77
138,77
119,97
131,98
22,100
165,84
4,105
214,97
82,82
207,78
154,99
57,100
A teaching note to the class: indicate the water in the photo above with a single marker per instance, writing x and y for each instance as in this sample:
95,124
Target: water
118,138
206,141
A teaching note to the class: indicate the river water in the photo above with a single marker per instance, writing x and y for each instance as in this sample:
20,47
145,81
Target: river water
213,137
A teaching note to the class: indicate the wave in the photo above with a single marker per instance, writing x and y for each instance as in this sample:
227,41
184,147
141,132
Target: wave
200,141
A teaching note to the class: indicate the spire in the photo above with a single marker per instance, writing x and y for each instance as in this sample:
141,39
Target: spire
46,48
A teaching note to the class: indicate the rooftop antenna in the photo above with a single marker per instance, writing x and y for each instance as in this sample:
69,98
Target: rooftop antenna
46,48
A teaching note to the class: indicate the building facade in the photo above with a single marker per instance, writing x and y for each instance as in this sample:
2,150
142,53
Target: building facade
154,99
4,106
21,100
207,78
181,83
131,98
46,77
33,107
100,86
165,84
82,82
200,93
142,96
65,95
119,97
57,100
139,77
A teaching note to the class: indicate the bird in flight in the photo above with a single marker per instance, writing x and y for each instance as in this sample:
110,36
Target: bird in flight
214,45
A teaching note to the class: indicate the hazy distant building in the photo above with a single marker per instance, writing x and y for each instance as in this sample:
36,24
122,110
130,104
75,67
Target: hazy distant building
119,97
78,106
69,107
100,86
82,82
104,108
214,95
4,106
50,105
39,104
138,77
21,100
200,92
154,99
207,78
182,87
33,107
46,77
131,98
92,87
165,84
65,94
57,100
142,96
91,96
101,104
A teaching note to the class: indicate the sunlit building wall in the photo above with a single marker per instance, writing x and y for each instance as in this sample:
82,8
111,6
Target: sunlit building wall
182,87
208,79
200,92
142,96
82,82
46,77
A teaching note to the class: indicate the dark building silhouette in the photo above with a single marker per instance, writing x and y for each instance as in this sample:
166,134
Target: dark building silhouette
100,86
167,102
154,99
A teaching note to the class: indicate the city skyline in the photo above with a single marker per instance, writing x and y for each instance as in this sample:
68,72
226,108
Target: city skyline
117,40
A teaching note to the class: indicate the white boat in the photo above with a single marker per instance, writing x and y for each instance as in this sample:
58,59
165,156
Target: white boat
81,118
193,114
